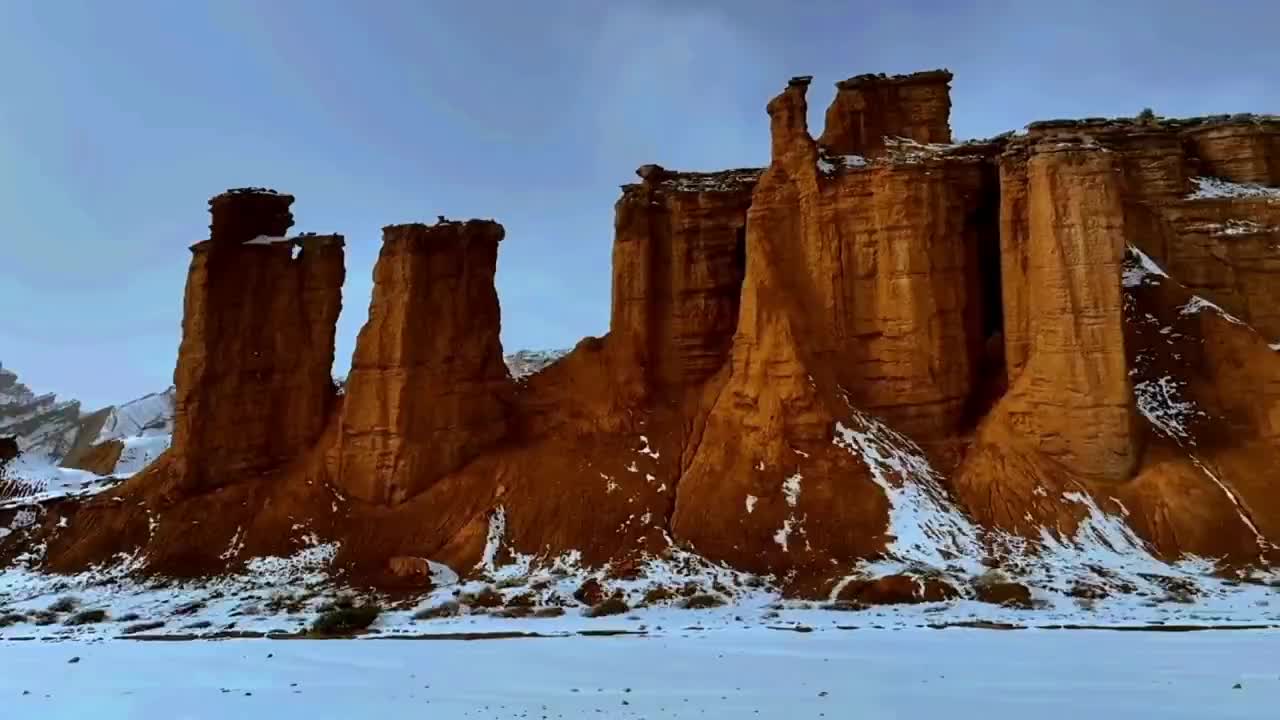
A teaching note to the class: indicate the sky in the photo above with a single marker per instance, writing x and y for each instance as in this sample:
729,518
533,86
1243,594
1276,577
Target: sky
118,120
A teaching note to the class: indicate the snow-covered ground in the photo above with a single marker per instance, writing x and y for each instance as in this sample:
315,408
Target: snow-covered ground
30,480
759,673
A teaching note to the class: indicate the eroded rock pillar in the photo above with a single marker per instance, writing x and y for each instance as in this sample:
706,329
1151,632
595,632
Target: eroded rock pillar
1071,387
428,388
679,259
253,380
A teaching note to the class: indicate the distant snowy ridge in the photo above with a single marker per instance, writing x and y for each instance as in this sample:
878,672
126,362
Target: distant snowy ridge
147,416
524,363
43,426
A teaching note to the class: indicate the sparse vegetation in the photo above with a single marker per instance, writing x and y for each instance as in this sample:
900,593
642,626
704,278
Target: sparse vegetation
66,603
513,612
1147,116
843,606
448,608
702,601
286,602
345,620
190,608
659,594
612,606
522,600
251,609
12,618
143,627
341,602
485,598
87,617
44,617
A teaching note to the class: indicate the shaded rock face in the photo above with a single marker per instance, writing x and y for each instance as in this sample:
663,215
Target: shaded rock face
428,388
8,451
679,259
869,108
253,382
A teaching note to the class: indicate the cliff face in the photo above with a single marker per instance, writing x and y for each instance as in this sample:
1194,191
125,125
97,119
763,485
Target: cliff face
1197,199
1068,412
428,388
873,355
679,258
870,108
253,383
1245,150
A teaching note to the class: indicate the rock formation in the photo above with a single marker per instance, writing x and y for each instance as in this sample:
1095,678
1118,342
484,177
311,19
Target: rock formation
254,388
679,258
869,369
42,426
428,389
869,108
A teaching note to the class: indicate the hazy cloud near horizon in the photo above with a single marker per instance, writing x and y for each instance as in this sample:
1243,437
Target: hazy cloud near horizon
120,119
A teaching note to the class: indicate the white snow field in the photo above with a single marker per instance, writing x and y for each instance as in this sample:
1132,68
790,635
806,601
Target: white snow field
759,673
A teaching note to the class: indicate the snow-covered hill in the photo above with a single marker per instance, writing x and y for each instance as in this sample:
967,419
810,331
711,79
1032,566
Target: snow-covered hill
44,427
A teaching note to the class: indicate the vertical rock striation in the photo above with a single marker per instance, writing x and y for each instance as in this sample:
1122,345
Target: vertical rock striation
679,259
1244,149
253,381
869,108
1068,413
428,389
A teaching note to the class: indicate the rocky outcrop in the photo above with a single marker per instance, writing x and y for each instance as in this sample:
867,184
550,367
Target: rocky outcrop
843,370
1224,249
870,108
1244,149
883,261
428,390
1068,413
1191,188
253,382
679,258
42,427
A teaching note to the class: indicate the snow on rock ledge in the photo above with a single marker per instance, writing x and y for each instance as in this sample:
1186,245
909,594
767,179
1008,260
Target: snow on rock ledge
1212,188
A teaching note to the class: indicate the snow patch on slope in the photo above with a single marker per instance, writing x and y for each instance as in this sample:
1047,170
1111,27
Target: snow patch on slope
1197,305
1159,401
31,481
1210,188
1142,269
926,527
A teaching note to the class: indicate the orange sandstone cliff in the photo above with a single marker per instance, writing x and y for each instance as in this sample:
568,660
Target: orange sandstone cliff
883,353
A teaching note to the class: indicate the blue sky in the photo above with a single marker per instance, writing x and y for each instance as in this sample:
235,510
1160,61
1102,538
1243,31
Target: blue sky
119,119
